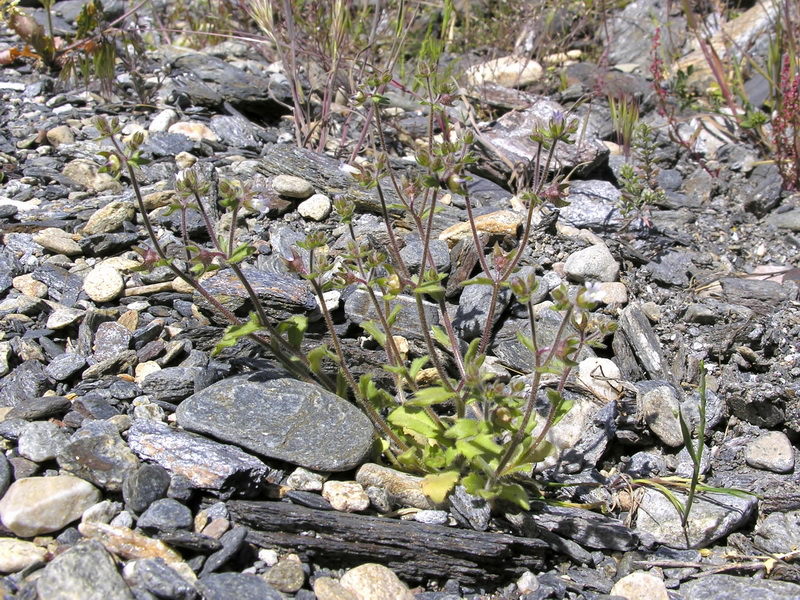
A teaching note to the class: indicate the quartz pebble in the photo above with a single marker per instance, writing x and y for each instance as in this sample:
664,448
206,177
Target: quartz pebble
292,187
37,505
104,284
372,581
16,555
771,452
346,496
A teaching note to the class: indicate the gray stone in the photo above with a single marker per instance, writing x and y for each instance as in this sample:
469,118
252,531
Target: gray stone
660,403
85,571
292,187
712,517
109,218
470,320
97,453
235,131
281,418
592,205
110,340
762,296
232,542
432,517
40,408
646,464
166,514
158,578
27,380
171,384
786,220
205,464
470,511
671,269
64,366
58,241
510,136
595,263
402,489
144,486
771,452
224,586
358,307
5,474
643,345
282,296
413,250
725,587
41,441
779,532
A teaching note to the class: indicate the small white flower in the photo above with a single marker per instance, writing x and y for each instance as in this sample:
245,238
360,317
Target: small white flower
594,292
349,169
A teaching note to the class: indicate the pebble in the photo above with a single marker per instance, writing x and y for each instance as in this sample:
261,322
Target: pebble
159,579
601,377
771,452
292,187
725,587
402,488
144,486
595,263
58,241
16,555
507,71
104,284
109,218
327,588
500,223
87,174
305,480
640,586
198,132
86,570
287,575
29,286
37,505
225,586
61,134
167,515
316,208
41,441
372,581
660,404
163,121
345,496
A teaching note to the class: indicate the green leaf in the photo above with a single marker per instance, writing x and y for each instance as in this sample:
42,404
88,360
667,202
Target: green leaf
241,253
315,356
392,317
473,483
294,328
440,335
234,332
372,329
463,428
515,493
480,445
414,419
379,398
437,486
430,396
416,366
477,281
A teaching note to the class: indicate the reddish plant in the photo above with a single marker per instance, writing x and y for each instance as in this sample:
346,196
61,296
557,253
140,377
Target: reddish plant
786,126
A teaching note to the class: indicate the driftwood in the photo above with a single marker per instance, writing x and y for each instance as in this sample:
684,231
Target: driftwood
415,551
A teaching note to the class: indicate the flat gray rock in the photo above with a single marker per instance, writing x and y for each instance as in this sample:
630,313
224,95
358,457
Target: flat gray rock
723,587
283,419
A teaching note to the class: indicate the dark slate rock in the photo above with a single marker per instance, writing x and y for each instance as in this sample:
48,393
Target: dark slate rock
172,384
158,578
86,570
470,511
473,310
110,340
413,250
144,486
28,380
765,189
94,406
147,333
198,461
161,143
223,586
115,365
208,81
5,474
40,408
281,295
281,418
671,269
235,131
642,343
166,514
725,587
107,244
97,453
11,429
309,499
196,542
232,542
358,307
515,354
64,366
779,532
762,296
593,205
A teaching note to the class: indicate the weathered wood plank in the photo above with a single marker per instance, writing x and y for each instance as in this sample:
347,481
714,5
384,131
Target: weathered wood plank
415,551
